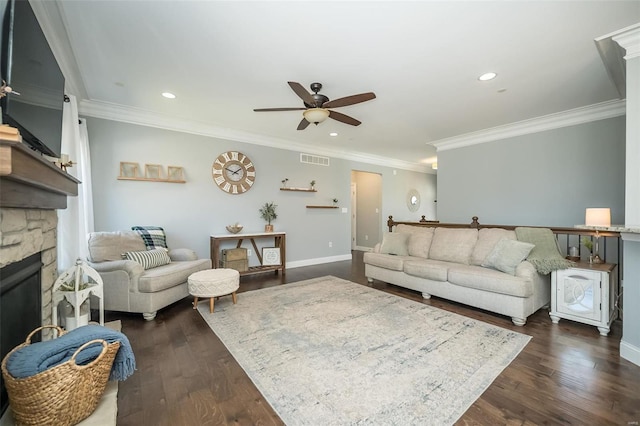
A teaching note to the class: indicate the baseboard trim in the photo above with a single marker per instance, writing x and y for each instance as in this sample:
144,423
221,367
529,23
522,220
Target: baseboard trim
630,352
318,261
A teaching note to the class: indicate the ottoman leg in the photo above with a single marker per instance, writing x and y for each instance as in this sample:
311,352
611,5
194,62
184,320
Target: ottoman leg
233,296
211,304
195,302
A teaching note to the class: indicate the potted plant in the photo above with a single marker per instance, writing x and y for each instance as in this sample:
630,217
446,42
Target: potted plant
313,184
284,182
268,213
589,245
335,201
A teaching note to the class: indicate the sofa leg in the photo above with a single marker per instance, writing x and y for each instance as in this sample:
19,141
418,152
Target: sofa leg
149,315
426,296
518,321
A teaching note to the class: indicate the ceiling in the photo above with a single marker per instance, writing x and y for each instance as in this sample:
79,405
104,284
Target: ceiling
222,59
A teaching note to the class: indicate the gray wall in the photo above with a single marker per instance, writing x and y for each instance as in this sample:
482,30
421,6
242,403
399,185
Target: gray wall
191,212
546,179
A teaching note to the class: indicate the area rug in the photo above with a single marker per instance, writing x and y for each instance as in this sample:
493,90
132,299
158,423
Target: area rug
328,351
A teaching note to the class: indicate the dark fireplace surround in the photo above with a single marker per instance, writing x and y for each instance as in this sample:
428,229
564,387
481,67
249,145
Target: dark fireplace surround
31,191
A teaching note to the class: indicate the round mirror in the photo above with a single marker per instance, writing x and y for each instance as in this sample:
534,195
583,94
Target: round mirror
413,200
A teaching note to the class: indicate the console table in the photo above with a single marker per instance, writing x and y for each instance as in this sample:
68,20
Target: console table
279,241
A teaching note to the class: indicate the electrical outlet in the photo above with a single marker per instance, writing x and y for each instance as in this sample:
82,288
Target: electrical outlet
248,253
366,238
330,244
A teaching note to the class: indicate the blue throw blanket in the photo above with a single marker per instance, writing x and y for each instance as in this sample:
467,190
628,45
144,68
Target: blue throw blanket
38,357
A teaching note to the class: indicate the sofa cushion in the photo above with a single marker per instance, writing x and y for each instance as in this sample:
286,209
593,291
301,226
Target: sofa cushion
490,280
394,243
419,239
171,275
507,255
108,246
487,240
431,269
453,245
153,236
386,261
148,258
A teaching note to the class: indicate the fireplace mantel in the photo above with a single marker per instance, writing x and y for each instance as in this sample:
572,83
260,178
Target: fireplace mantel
28,181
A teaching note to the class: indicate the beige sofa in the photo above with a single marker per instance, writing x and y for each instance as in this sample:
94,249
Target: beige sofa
447,263
128,287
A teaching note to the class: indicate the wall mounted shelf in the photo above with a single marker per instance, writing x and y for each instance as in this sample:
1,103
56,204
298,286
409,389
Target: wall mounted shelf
151,179
322,207
299,189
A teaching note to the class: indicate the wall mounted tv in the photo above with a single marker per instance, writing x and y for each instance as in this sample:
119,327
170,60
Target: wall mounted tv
29,67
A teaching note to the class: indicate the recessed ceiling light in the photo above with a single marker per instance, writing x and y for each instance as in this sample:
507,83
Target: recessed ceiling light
487,76
168,95
333,134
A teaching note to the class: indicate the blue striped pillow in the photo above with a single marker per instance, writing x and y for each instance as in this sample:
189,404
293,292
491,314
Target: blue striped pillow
150,258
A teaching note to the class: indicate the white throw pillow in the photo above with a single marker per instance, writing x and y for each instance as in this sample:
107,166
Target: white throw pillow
453,245
148,258
395,243
507,255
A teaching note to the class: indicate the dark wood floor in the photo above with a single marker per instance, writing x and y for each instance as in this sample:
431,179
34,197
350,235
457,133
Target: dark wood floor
567,374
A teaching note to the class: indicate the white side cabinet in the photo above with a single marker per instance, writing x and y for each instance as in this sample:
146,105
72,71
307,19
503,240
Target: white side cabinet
585,293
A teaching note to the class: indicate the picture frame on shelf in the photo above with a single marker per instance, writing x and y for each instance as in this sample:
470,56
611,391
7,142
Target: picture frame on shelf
153,171
129,170
175,173
271,256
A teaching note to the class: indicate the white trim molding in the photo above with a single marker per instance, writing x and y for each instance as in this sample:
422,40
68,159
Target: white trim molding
629,38
571,117
629,352
125,114
318,261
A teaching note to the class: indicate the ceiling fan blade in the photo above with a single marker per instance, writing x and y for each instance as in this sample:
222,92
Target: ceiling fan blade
344,118
302,93
349,100
278,109
303,124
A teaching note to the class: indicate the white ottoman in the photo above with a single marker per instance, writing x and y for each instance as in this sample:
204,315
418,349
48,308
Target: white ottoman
213,283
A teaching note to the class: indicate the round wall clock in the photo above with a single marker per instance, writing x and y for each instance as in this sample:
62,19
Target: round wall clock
233,172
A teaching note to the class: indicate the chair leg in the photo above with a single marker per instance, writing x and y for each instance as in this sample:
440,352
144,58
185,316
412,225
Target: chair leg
195,302
211,304
233,296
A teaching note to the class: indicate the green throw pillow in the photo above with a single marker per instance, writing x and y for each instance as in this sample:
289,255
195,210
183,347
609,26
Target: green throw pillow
395,243
507,255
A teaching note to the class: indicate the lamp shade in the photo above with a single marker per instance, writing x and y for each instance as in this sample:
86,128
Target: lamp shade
316,115
598,217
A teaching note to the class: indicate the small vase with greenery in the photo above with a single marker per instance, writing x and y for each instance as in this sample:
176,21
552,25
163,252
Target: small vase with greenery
268,213
335,201
313,184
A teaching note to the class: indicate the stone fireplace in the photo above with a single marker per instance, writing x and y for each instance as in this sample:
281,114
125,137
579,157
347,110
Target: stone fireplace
31,191
25,232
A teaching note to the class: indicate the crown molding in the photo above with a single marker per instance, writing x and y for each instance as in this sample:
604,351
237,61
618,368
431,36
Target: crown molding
115,112
571,117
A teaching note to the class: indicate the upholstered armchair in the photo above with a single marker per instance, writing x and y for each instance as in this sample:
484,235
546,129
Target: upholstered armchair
139,277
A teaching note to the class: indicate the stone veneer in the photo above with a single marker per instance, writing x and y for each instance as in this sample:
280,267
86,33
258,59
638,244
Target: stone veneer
24,232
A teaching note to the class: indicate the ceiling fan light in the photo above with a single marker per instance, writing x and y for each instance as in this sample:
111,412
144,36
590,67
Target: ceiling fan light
316,115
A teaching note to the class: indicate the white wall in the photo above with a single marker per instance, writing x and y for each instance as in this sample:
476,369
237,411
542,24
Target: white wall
191,212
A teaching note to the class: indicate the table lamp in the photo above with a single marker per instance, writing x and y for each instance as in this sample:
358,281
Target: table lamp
597,217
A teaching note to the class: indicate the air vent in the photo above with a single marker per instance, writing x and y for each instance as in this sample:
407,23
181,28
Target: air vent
314,159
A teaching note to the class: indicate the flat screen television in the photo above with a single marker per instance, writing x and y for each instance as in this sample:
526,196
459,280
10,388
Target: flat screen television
29,67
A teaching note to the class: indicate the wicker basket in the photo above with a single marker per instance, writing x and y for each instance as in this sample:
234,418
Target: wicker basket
63,395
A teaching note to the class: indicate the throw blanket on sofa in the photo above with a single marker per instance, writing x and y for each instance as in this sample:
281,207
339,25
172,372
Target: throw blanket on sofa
38,357
545,256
